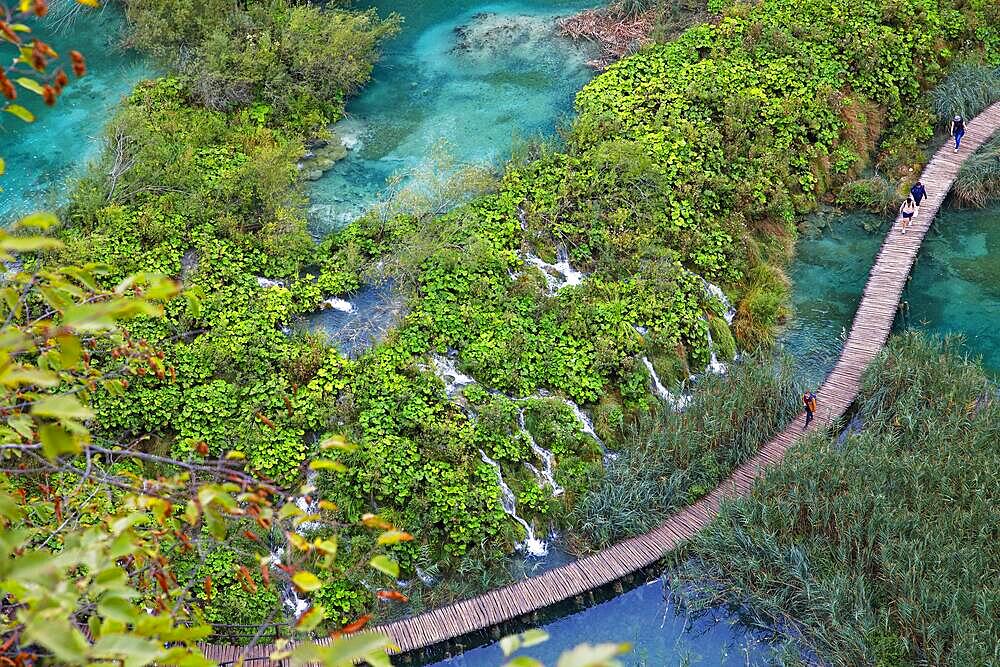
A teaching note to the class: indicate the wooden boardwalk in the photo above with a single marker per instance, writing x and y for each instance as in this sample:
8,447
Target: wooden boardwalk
872,323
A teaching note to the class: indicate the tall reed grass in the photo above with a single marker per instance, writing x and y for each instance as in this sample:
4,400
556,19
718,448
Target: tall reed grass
879,547
673,458
968,89
978,182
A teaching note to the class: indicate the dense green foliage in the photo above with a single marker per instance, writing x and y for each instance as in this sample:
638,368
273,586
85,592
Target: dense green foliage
879,546
688,162
298,60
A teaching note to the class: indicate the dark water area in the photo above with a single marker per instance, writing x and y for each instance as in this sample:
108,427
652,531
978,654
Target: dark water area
42,156
359,320
471,74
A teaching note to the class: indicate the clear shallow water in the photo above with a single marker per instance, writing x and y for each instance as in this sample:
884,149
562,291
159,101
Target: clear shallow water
470,73
41,156
955,286
374,310
833,257
658,634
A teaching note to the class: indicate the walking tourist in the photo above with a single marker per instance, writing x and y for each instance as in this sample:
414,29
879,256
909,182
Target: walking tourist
918,192
958,131
809,401
906,212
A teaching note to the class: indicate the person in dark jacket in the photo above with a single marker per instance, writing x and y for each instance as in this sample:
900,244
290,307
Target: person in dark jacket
918,193
958,131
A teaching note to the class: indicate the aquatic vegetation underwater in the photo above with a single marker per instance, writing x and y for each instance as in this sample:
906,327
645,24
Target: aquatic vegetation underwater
874,546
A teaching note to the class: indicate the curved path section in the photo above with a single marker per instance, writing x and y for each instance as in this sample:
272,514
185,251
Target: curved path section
870,330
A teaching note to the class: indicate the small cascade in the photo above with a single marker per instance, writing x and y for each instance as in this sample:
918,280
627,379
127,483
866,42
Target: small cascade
715,292
308,502
675,402
267,283
588,428
290,598
544,475
454,380
558,275
425,578
336,303
714,365
531,544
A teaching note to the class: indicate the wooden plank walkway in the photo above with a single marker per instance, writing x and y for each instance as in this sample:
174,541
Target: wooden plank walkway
868,335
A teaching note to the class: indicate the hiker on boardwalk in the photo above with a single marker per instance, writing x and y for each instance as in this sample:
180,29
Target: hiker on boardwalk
958,131
809,402
918,192
906,212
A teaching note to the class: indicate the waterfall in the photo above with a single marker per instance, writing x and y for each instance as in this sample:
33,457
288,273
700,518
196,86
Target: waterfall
531,544
446,369
290,598
267,283
545,456
588,428
676,402
568,276
715,292
714,365
337,304
310,505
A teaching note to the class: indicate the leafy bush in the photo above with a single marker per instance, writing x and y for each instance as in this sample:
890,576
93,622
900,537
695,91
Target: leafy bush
296,62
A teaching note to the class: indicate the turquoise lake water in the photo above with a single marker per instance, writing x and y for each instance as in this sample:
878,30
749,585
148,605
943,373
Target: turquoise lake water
955,286
41,156
472,74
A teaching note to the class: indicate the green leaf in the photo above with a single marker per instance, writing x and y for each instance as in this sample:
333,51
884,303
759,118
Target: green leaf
509,644
117,609
29,243
588,655
10,508
534,637
3,167
30,84
66,642
523,661
386,565
344,652
326,464
20,112
61,406
133,650
56,441
39,220
310,618
306,581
